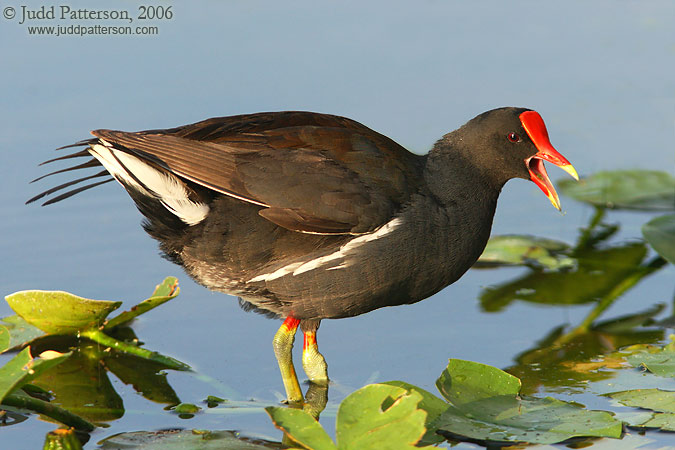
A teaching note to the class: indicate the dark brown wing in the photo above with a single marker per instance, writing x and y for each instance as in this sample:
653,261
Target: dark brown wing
313,172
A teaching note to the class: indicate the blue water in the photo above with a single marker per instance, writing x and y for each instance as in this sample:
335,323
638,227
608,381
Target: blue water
600,73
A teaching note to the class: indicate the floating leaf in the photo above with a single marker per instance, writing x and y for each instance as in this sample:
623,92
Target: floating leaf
650,399
186,408
629,189
654,399
659,362
20,331
373,417
212,401
430,404
486,407
664,421
468,381
180,440
58,312
164,292
380,416
528,250
301,427
660,233
4,338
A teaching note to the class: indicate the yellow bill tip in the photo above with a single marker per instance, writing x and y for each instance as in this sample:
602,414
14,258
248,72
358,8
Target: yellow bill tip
569,168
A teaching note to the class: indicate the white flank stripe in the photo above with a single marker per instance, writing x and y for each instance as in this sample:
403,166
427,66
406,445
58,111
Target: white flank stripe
277,273
299,267
168,189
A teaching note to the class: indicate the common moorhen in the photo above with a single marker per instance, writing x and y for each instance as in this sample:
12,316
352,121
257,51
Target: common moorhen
312,216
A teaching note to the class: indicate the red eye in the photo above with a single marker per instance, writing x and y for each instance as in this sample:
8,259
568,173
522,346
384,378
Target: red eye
513,137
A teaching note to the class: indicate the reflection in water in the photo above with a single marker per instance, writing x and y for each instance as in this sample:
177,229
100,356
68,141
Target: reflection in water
81,384
567,360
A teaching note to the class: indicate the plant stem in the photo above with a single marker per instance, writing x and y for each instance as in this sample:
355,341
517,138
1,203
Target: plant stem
103,339
49,410
609,299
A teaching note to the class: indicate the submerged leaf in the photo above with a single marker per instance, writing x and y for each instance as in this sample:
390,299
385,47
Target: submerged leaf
58,312
629,189
486,407
660,233
179,440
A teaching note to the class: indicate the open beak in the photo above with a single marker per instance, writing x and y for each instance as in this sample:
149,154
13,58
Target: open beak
535,128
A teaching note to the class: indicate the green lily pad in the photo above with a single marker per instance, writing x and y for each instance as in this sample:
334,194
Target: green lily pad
186,408
180,440
20,332
660,362
654,399
627,189
467,381
213,401
301,427
373,417
380,416
430,404
660,401
660,233
527,250
4,338
664,421
58,312
485,406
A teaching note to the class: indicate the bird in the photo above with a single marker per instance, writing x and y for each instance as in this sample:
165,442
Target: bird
307,216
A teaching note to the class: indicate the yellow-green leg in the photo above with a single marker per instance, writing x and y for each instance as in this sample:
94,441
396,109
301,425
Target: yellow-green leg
317,371
312,361
283,350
